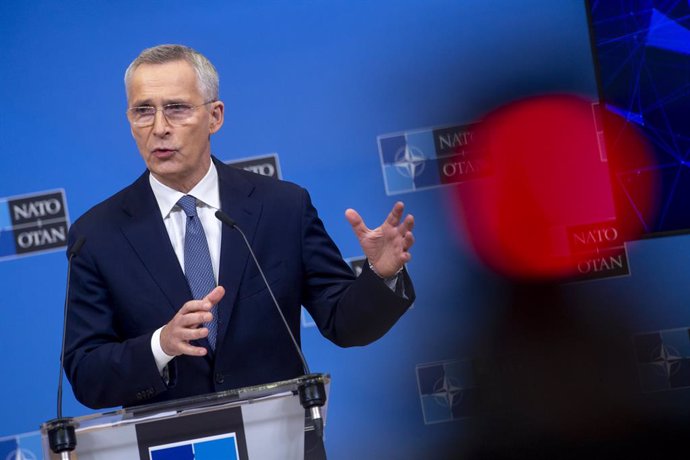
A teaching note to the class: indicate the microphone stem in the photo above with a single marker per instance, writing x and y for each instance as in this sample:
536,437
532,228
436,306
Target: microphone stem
275,302
64,333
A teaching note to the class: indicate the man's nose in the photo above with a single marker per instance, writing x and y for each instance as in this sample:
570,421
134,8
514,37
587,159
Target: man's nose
161,126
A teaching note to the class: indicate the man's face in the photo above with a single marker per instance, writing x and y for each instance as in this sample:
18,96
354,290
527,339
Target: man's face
177,155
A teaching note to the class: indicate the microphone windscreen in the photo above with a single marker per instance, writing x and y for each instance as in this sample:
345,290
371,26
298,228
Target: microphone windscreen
227,220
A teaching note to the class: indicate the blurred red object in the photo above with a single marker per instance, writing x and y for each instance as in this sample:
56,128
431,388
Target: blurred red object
547,202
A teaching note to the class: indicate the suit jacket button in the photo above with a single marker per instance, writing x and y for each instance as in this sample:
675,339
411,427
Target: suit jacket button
219,378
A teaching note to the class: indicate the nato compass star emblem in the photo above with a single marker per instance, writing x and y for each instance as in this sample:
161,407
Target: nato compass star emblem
409,161
663,359
447,392
667,360
20,454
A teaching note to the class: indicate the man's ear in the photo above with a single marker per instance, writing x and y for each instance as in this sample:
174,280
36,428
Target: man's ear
217,116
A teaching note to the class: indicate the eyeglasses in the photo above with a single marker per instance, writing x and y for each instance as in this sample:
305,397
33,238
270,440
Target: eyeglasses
176,114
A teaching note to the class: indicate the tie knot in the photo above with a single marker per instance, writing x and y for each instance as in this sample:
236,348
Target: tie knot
188,205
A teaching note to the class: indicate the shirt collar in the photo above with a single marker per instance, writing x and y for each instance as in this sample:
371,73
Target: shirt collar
206,192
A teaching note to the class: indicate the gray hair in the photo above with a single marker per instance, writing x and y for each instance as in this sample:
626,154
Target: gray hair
207,76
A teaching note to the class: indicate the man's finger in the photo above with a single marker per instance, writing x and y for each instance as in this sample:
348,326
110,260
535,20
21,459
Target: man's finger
194,334
204,304
409,222
408,241
394,216
407,225
215,295
356,222
191,350
194,319
194,306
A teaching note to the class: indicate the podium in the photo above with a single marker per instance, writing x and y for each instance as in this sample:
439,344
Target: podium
259,422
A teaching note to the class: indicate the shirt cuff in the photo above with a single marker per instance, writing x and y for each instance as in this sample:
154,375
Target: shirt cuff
391,281
162,359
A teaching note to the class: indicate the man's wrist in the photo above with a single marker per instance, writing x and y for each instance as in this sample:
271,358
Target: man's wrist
385,278
161,357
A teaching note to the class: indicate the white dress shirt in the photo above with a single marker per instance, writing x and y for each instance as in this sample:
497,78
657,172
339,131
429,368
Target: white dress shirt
208,201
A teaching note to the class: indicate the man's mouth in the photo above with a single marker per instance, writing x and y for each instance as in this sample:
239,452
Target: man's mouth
163,153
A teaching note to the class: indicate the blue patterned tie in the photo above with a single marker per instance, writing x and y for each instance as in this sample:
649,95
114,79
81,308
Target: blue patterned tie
197,262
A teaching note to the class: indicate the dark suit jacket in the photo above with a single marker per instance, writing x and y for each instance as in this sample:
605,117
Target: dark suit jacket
127,282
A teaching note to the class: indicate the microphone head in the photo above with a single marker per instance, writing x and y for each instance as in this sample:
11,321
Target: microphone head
227,220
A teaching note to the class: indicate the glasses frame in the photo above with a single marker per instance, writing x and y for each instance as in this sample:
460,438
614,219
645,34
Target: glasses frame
130,113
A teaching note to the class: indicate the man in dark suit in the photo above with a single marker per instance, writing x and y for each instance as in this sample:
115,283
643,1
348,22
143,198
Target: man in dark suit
137,332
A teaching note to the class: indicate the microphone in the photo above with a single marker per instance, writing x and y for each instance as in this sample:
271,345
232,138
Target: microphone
61,435
312,394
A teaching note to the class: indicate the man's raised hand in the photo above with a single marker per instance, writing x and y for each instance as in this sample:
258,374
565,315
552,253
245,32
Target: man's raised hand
386,246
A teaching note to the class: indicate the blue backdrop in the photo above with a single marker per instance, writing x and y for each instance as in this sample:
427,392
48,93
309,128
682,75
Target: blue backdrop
315,82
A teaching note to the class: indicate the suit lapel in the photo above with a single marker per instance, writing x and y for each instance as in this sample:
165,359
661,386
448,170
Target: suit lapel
146,232
238,202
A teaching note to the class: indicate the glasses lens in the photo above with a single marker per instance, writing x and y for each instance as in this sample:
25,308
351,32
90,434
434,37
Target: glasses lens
178,112
142,115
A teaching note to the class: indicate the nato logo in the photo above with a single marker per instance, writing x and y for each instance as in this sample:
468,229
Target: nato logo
21,454
603,251
10,449
209,448
663,359
447,391
32,224
266,165
357,264
422,159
